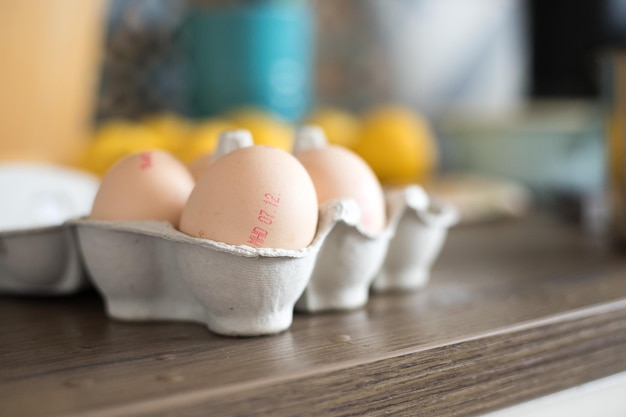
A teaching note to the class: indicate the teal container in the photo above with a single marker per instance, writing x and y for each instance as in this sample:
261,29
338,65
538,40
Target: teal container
257,54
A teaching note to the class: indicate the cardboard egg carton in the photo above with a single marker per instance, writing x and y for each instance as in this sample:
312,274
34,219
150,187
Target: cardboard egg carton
421,231
40,261
38,252
150,271
399,258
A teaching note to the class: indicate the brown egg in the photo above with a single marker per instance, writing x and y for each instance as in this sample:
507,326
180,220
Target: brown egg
151,185
257,196
200,165
340,173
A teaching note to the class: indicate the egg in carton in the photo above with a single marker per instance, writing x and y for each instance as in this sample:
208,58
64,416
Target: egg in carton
351,258
149,270
38,251
351,255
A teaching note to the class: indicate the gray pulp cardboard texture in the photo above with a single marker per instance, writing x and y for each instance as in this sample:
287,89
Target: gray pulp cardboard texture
132,265
418,239
150,271
40,261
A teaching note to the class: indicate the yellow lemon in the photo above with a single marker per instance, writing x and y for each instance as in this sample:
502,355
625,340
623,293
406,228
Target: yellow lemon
341,127
398,144
172,129
115,140
266,128
203,139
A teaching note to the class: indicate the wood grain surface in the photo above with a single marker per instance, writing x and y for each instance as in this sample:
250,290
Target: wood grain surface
515,310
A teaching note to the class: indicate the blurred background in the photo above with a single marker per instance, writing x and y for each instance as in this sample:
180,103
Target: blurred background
496,105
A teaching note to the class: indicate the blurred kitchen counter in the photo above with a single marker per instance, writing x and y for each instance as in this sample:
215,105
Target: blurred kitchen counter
516,310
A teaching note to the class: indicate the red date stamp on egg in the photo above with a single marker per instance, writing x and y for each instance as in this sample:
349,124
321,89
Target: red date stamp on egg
265,218
146,160
257,236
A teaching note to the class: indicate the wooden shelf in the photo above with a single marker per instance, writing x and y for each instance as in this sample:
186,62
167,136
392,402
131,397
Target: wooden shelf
515,310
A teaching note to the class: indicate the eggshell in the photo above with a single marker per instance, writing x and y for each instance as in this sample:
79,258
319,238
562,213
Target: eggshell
340,173
200,165
258,196
151,185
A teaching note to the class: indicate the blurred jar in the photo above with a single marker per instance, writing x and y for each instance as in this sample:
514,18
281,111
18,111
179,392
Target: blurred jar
49,56
250,53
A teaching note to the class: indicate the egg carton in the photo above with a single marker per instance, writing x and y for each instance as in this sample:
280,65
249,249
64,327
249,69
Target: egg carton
151,271
398,258
352,261
40,261
421,231
38,252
